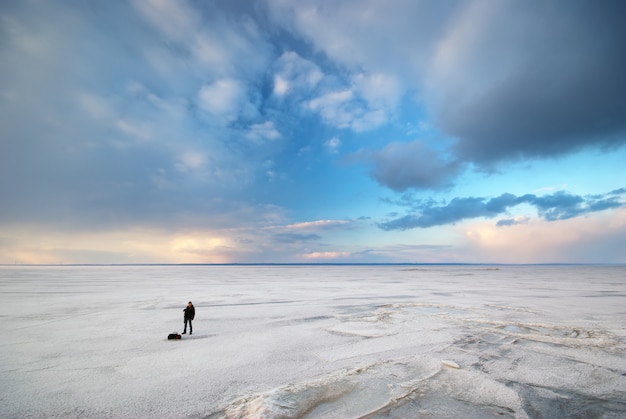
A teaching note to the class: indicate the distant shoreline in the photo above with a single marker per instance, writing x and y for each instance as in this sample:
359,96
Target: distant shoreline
314,264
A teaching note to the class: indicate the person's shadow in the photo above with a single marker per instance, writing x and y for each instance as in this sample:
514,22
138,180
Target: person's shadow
190,337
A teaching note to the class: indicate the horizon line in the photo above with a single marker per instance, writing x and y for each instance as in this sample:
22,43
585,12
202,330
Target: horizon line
328,264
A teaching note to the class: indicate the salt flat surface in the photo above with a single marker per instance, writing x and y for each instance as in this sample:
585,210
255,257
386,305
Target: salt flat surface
313,341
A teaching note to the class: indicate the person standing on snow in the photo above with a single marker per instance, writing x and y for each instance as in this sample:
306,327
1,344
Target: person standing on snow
190,313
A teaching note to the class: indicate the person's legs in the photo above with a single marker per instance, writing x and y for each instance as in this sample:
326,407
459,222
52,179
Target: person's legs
185,330
190,327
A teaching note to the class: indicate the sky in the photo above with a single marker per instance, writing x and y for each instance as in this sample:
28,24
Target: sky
312,131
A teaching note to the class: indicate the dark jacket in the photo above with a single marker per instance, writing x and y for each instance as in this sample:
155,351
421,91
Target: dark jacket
190,312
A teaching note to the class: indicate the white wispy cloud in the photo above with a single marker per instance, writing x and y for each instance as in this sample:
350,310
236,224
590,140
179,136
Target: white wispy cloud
318,225
225,99
380,91
342,109
333,145
295,75
263,131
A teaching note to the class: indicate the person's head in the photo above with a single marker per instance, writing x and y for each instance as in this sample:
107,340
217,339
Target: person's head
189,304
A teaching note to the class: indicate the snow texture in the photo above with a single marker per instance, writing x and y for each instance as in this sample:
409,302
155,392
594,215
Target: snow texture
313,341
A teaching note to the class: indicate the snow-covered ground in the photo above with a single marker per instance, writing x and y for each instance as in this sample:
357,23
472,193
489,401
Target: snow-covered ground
313,341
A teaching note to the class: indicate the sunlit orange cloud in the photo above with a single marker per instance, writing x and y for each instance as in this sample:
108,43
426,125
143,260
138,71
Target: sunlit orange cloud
30,245
599,238
127,246
205,247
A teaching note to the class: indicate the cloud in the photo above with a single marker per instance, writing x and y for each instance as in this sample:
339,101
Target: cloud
360,102
189,114
176,20
616,192
319,225
507,80
562,206
294,75
402,166
191,161
333,145
227,100
507,222
458,209
134,129
335,107
295,237
507,92
598,239
379,90
209,42
558,206
263,132
317,256
132,125
392,37
360,108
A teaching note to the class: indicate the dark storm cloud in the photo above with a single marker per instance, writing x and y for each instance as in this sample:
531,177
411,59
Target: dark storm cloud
508,80
401,166
536,80
558,206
